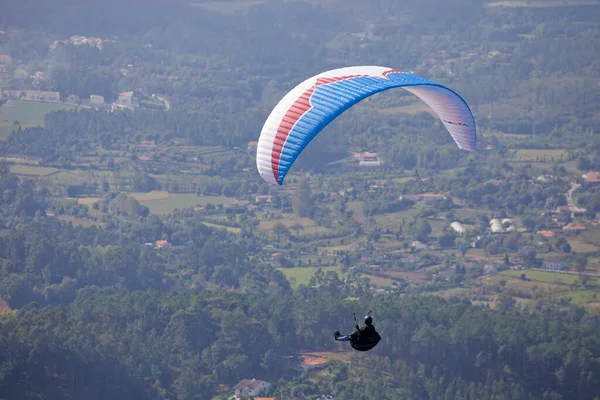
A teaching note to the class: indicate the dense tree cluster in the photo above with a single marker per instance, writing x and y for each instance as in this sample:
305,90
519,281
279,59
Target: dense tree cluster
109,343
101,312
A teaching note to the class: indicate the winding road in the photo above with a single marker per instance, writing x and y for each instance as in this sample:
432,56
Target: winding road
569,195
166,102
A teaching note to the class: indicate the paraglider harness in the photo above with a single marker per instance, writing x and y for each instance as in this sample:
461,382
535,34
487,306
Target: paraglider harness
361,341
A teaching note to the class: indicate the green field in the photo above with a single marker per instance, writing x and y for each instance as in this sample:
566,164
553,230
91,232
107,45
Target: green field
28,113
30,170
69,177
301,275
546,155
581,296
228,228
547,276
580,246
393,220
288,220
453,292
79,221
161,202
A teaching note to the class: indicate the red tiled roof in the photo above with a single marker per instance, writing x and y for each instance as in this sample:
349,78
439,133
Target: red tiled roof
546,233
574,228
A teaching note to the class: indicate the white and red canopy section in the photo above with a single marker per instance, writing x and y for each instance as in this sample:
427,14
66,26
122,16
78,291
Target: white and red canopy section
314,103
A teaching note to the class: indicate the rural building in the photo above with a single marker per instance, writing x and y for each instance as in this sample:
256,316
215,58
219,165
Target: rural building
496,226
369,163
72,98
146,145
79,40
574,228
94,98
5,59
591,177
508,224
502,226
312,363
252,146
12,94
263,199
546,234
367,159
417,245
428,198
125,98
117,106
564,213
159,244
458,227
545,178
5,77
366,156
237,205
251,387
554,264
40,95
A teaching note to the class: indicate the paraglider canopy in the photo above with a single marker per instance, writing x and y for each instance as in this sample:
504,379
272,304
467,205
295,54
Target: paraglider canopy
314,103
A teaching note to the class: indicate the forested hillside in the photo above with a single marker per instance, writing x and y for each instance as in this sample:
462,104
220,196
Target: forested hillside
142,256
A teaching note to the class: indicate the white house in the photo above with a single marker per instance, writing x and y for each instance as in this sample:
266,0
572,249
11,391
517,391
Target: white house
554,264
458,227
251,387
418,245
96,99
496,225
126,99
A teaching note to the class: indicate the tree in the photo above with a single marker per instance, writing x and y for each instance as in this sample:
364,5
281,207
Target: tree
584,164
302,202
447,239
581,261
281,231
562,245
528,256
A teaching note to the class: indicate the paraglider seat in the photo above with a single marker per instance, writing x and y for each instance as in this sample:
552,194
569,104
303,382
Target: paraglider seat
365,342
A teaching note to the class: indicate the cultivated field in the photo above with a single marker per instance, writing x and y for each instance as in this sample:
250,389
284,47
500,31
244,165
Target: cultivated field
580,246
288,220
546,276
79,221
28,113
163,202
228,228
31,170
301,275
545,155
